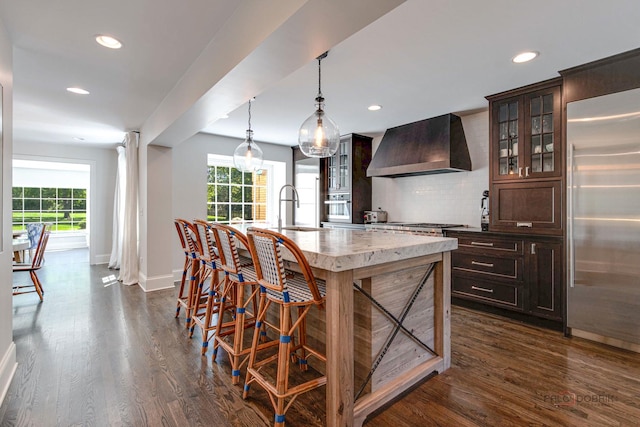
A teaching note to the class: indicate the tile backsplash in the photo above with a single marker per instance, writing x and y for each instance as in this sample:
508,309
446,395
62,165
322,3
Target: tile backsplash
452,198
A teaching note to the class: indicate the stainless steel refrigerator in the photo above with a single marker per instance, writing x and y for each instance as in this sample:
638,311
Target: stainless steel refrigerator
603,223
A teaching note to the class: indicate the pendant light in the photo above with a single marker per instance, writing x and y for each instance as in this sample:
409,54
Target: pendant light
248,156
319,135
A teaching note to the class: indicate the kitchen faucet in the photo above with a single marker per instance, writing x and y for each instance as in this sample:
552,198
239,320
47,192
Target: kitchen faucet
295,198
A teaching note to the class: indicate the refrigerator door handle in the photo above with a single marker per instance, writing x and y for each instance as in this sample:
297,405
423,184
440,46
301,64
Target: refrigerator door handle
570,192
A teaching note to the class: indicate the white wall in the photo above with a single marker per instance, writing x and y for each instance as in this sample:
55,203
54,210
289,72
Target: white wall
103,162
190,176
452,198
7,347
156,230
45,174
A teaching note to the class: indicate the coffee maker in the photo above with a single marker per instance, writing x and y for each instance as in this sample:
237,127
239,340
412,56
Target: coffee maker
484,211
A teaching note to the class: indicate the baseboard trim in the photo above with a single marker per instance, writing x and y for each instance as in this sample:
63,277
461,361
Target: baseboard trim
177,275
102,259
157,283
8,366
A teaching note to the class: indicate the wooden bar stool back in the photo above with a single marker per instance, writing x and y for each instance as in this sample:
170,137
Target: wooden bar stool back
182,292
238,291
33,267
188,288
291,292
208,301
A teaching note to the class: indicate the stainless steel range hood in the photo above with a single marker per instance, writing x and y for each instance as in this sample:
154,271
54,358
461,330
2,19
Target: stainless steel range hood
430,146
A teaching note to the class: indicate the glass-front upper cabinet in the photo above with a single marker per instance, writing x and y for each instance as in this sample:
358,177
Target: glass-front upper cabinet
339,165
508,134
526,134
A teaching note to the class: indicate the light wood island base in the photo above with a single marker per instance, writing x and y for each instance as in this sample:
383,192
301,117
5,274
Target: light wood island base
390,269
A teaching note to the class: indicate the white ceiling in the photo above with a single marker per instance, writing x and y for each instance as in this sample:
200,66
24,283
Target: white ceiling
174,76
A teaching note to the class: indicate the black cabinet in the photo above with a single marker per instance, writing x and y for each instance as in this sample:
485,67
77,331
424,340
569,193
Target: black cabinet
345,187
527,207
526,159
518,273
544,268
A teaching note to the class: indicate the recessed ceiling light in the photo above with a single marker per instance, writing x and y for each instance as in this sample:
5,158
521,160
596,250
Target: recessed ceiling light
524,57
108,41
78,90
374,107
224,116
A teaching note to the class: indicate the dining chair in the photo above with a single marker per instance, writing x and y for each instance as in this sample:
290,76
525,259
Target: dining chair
291,292
238,292
207,307
34,231
189,283
33,267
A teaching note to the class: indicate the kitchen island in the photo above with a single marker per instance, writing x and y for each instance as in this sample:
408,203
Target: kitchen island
405,337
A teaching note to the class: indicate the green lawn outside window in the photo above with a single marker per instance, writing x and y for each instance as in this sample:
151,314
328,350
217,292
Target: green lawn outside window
64,208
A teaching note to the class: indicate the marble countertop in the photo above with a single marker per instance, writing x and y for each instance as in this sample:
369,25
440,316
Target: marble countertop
340,249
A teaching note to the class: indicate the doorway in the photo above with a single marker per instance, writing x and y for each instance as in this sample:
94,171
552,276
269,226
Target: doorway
57,193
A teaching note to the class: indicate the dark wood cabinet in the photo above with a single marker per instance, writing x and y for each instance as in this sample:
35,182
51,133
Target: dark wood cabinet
518,273
343,180
338,167
534,207
544,268
526,159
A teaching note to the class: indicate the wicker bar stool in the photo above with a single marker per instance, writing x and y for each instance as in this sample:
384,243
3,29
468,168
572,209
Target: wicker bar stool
189,283
238,291
290,291
207,302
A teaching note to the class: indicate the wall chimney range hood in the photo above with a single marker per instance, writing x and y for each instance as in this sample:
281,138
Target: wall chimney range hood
430,146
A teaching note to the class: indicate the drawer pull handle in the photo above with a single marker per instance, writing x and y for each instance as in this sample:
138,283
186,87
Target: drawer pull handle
482,244
477,288
524,224
482,264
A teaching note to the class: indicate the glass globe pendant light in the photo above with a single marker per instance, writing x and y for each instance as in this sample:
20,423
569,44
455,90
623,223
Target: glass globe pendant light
248,156
319,135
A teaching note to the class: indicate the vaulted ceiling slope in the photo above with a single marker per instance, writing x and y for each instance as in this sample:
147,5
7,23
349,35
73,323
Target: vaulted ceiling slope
184,65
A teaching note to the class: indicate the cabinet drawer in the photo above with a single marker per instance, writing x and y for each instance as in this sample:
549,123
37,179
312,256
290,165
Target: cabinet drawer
487,244
507,268
488,292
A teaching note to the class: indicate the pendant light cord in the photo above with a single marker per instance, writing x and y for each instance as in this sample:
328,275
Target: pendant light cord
319,76
249,114
320,98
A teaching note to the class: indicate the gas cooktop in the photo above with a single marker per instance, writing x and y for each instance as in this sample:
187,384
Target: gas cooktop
426,224
425,228
415,224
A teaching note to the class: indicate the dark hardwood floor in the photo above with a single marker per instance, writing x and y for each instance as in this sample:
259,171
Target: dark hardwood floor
97,353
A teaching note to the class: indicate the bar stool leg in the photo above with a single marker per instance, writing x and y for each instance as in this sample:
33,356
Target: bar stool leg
226,303
302,342
263,305
284,352
211,308
193,290
203,276
185,271
238,334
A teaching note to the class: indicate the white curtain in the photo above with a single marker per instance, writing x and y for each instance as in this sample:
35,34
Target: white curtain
118,210
129,260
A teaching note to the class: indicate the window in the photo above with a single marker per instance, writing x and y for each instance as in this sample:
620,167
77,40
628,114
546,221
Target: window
64,208
234,196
